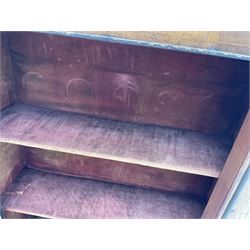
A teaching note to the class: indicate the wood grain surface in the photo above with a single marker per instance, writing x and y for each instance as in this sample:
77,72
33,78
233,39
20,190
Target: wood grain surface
7,89
118,172
233,165
55,196
130,83
226,41
146,145
16,215
11,163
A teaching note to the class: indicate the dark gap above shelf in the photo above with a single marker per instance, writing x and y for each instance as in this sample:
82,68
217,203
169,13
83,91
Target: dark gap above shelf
117,172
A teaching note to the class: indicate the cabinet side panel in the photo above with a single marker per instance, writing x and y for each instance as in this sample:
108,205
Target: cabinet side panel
7,89
232,168
11,163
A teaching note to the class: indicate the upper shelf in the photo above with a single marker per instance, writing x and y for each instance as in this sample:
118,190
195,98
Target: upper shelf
234,44
146,145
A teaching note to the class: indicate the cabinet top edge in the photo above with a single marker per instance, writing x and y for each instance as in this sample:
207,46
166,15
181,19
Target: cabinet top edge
133,39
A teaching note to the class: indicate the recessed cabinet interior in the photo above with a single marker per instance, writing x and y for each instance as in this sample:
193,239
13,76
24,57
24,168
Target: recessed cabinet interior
96,129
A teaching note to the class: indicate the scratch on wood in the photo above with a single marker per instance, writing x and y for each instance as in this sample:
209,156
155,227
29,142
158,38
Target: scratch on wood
15,193
45,49
32,78
126,87
72,81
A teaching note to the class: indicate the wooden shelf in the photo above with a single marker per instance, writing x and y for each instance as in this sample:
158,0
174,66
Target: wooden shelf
153,146
56,196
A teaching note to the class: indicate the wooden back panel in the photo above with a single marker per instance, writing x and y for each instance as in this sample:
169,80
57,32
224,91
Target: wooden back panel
132,83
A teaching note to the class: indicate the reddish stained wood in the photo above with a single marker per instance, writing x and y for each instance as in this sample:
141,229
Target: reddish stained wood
131,83
226,41
11,164
233,166
16,215
117,172
146,145
7,89
55,196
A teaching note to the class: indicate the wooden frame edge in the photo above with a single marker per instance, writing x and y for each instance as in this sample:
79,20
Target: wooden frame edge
231,174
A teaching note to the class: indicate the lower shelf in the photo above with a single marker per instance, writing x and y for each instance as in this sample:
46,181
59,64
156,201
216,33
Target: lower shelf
55,196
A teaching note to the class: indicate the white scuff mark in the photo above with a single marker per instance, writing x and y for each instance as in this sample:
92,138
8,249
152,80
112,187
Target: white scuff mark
86,56
17,192
45,49
110,53
31,77
75,80
132,63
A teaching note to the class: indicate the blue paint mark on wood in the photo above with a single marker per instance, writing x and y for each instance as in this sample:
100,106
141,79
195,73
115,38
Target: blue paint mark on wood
211,52
239,206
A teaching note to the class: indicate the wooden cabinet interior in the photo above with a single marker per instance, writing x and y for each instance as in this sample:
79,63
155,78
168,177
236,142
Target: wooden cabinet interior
144,131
